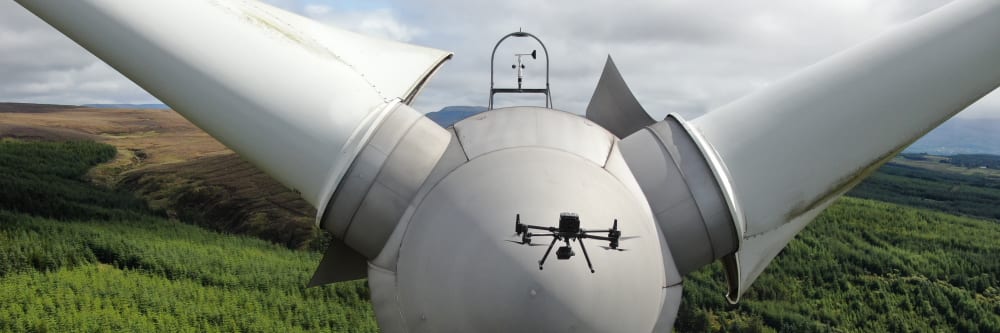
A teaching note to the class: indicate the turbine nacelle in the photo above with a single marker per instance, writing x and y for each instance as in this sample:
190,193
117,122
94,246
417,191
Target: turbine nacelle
453,248
423,211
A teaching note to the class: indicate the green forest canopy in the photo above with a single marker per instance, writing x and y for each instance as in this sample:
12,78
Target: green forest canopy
81,257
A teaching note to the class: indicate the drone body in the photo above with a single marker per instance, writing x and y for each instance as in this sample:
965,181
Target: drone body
424,212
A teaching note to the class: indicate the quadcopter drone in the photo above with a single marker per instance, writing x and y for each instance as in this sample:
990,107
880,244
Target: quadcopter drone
569,229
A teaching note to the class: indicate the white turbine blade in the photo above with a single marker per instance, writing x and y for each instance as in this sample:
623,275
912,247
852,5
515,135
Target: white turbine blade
294,97
613,105
790,150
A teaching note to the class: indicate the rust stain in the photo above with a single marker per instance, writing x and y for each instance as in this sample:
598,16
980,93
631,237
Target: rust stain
276,28
854,178
844,184
265,20
261,18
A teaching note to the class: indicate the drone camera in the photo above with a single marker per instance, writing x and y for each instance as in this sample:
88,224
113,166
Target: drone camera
569,223
564,253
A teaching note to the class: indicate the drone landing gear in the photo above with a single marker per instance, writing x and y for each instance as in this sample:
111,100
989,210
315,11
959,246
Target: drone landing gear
569,229
566,252
542,262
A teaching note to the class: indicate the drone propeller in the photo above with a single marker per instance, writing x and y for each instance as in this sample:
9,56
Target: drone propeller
614,244
528,244
614,233
518,227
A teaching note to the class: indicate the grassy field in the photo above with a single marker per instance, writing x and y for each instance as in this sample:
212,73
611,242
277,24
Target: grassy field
77,256
80,257
940,163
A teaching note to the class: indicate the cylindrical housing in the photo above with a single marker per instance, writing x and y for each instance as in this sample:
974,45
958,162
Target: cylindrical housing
683,192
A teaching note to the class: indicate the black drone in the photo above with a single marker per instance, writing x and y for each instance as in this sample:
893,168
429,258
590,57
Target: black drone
569,229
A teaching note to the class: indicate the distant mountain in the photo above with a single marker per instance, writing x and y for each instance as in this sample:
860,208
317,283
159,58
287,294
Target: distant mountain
956,136
445,117
128,106
961,136
32,108
452,114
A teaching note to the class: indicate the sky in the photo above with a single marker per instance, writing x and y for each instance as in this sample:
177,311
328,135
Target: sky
683,56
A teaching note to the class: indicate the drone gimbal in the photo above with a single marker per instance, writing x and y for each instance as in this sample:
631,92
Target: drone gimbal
569,229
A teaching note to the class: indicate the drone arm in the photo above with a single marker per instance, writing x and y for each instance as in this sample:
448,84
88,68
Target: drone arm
535,227
603,238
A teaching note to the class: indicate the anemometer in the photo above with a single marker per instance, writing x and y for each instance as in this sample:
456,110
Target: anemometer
518,65
519,69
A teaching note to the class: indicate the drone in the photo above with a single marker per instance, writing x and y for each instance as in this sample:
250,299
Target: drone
569,229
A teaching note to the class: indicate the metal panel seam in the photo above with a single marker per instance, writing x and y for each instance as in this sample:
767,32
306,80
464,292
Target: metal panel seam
333,184
347,230
419,85
704,223
325,48
395,282
722,176
614,143
721,173
458,138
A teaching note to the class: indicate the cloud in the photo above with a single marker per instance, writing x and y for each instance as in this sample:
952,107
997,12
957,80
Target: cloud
988,107
38,64
380,22
677,55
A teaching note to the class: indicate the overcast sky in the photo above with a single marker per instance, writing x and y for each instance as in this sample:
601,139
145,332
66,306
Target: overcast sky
677,56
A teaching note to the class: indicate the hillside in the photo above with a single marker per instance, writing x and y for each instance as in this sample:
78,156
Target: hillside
82,252
102,260
175,166
975,164
129,106
80,257
225,193
974,195
181,170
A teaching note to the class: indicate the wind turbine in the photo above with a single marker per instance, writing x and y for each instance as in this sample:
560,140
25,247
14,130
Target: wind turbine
425,212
